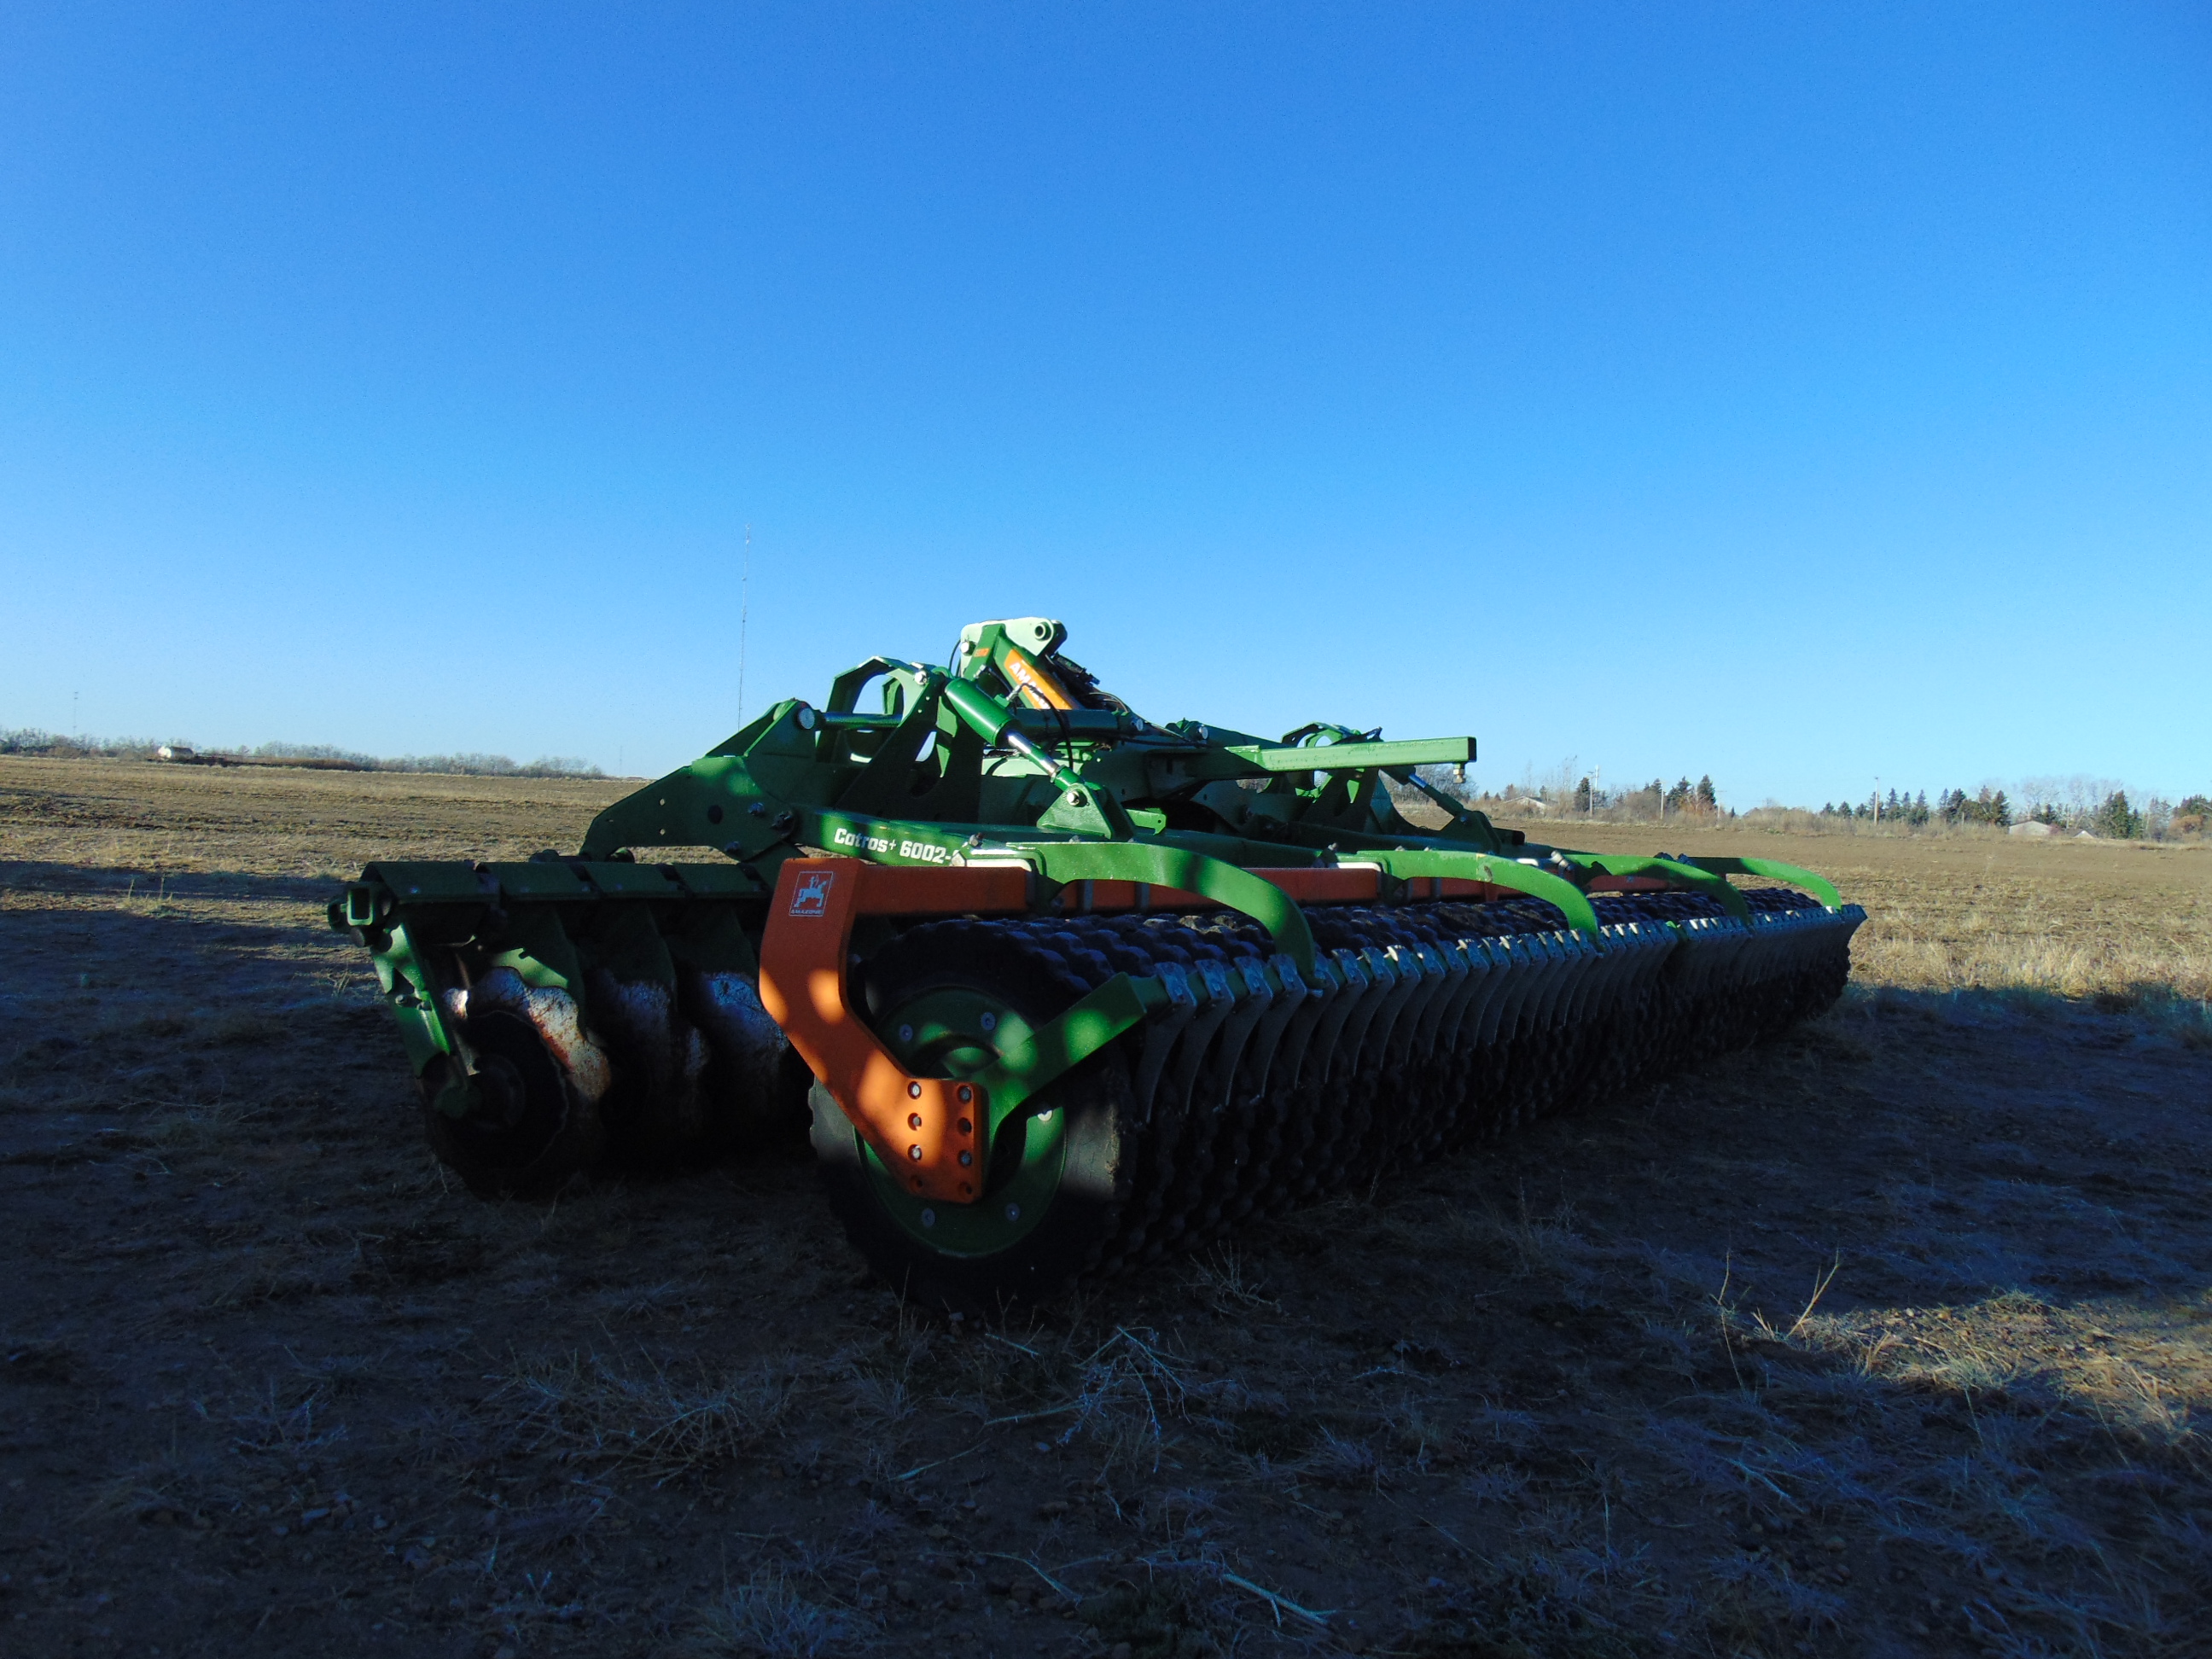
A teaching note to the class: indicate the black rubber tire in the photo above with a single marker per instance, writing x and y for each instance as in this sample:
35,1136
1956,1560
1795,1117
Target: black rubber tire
557,1133
1085,1209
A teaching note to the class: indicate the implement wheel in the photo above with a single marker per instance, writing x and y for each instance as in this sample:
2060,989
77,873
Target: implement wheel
947,999
527,1129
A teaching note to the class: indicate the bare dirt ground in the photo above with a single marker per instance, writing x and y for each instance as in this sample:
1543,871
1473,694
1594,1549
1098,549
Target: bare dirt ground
1892,1338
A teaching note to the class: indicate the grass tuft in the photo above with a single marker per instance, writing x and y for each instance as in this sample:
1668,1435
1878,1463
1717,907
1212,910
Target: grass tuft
586,1407
767,1617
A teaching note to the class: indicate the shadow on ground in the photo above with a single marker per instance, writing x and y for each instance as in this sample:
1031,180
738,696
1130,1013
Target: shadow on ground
1890,1338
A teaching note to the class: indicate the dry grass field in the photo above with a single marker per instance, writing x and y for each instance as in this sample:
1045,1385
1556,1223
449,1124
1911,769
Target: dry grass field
1892,1338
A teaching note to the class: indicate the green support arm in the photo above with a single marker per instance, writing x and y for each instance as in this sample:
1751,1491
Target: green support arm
1406,863
1353,757
1697,878
1192,872
1774,870
1065,1043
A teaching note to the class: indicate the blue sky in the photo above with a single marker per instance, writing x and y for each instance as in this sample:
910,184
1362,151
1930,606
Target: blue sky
1792,393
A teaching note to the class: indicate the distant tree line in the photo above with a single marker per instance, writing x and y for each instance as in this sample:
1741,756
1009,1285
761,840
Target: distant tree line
1899,808
2104,811
28,740
2100,806
1990,807
1567,790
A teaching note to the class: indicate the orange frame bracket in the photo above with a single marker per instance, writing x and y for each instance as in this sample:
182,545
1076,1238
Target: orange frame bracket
928,1129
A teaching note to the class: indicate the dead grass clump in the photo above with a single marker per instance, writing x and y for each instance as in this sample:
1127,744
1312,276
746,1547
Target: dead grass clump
1224,1281
174,1488
588,1408
767,1617
2118,974
1342,1461
2032,1414
885,1382
1167,1617
1128,1392
285,1420
2183,1020
1126,1397
2015,1347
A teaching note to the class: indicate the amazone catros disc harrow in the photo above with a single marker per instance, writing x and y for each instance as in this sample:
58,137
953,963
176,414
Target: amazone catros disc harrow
1059,990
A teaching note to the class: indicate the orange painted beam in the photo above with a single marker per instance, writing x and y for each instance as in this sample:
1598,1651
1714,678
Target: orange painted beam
924,1129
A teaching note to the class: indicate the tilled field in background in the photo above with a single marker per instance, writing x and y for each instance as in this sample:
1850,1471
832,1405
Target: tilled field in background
1893,1338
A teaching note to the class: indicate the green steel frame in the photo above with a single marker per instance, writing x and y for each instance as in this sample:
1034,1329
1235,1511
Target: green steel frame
1010,754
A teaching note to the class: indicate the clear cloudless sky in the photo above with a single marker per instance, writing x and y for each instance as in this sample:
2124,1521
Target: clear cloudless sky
1802,394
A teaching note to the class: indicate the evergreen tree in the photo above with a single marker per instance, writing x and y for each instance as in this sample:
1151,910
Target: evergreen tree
2119,820
1707,799
1582,796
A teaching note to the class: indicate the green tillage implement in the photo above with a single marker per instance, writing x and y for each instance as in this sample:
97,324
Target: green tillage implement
1058,989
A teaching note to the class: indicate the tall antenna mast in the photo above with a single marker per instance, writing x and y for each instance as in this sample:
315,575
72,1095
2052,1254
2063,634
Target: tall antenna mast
744,614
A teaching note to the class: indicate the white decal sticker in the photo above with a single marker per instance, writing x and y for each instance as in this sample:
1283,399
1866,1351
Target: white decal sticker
918,852
811,896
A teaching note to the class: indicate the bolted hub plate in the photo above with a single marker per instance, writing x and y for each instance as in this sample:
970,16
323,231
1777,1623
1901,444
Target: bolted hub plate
955,1031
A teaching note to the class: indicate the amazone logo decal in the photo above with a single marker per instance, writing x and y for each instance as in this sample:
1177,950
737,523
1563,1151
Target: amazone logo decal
811,896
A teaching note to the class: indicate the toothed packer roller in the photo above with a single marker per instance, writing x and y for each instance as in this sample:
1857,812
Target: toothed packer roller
1056,991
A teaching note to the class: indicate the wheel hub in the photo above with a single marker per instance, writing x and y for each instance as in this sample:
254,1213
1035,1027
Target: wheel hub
958,1032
